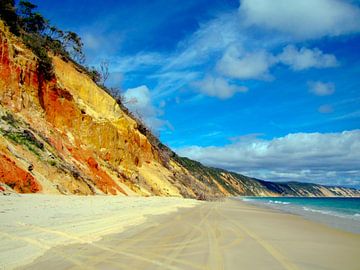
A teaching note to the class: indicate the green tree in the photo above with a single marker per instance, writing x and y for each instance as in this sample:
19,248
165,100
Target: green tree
9,16
26,8
74,45
31,22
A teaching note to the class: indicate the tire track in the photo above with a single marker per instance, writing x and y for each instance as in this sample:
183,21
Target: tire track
275,253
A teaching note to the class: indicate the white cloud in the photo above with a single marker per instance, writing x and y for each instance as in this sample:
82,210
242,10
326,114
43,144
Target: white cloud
306,58
239,64
321,88
326,108
227,47
218,87
254,65
302,19
138,61
142,105
299,156
211,38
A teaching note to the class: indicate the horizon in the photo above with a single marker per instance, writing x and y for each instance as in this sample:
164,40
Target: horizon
257,89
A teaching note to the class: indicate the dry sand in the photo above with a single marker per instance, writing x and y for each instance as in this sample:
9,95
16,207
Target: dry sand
219,235
32,224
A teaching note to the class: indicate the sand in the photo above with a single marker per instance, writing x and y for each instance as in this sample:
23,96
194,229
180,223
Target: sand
32,224
212,235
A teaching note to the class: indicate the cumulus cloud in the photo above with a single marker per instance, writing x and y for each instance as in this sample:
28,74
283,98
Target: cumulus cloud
299,59
314,157
321,88
306,19
140,103
218,87
254,65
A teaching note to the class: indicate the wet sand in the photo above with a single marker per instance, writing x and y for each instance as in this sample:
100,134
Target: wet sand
218,235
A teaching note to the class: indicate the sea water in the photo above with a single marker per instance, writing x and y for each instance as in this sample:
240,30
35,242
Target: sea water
342,213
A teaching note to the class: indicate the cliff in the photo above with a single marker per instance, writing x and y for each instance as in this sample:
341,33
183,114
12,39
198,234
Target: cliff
69,136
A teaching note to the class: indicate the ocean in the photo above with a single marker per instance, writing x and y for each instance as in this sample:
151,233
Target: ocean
341,213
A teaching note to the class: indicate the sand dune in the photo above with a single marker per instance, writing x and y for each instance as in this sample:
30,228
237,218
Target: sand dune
220,235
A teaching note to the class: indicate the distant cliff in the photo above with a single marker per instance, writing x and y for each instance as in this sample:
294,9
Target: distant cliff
67,135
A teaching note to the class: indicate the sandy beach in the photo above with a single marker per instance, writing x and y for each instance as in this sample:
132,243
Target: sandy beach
32,224
207,235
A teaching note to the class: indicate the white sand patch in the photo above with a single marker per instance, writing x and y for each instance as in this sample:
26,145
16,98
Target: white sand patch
32,224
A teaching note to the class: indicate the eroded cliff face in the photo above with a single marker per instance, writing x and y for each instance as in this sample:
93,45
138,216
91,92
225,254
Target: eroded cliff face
69,136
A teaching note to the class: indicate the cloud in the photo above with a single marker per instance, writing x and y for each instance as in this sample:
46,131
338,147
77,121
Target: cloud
313,157
141,104
248,65
139,61
306,58
239,64
306,19
326,109
212,37
227,47
351,115
321,88
218,87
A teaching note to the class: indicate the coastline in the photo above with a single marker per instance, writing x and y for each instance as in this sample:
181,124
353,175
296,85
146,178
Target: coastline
31,224
326,215
214,235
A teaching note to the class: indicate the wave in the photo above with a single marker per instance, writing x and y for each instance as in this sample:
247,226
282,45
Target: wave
319,211
355,216
247,200
278,202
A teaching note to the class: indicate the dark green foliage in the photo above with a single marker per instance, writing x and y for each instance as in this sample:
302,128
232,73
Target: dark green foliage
9,16
26,8
38,47
94,74
41,37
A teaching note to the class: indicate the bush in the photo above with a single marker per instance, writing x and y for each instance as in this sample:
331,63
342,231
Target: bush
37,44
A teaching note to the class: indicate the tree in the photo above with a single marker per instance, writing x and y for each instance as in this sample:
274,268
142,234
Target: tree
94,74
54,33
26,8
104,71
31,22
74,45
9,16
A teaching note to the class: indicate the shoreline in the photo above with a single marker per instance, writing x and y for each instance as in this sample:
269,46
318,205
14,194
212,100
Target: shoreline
325,216
32,224
214,235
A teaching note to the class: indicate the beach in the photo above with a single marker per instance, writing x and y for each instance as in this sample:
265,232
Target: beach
174,234
31,224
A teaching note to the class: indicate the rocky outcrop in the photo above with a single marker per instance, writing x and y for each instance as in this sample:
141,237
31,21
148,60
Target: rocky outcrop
69,136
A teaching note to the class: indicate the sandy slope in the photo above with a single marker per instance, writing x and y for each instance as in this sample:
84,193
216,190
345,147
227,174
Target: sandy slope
221,235
32,224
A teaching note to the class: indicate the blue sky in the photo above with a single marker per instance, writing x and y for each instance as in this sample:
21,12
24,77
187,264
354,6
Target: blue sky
270,89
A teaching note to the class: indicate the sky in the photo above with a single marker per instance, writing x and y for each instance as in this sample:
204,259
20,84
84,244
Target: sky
269,89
